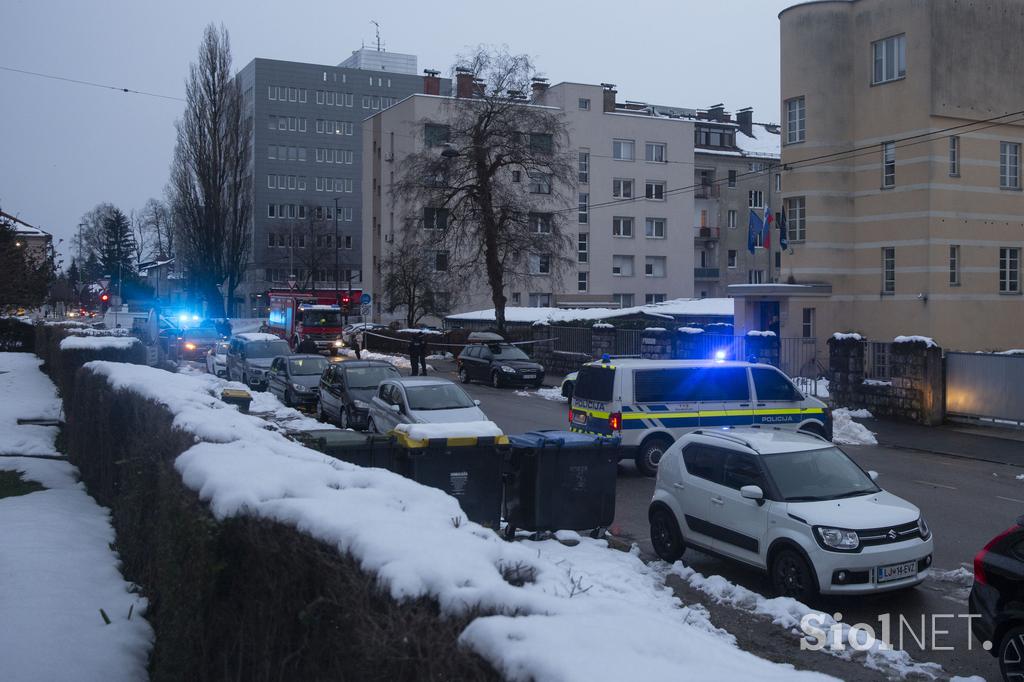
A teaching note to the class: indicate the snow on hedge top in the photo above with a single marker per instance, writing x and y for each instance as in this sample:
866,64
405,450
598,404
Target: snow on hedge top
691,330
602,325
755,332
417,542
849,336
721,307
927,341
98,342
482,429
258,336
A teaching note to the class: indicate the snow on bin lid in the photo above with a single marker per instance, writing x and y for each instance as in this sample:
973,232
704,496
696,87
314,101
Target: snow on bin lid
485,337
455,430
570,439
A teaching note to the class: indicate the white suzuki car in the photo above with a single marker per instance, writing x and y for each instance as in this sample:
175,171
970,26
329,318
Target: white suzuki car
790,504
421,400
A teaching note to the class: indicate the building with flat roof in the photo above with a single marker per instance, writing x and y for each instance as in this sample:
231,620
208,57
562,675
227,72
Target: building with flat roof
37,243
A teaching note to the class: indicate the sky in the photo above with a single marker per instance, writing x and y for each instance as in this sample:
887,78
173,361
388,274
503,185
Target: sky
67,147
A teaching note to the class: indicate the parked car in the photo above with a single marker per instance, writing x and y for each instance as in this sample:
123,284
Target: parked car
651,403
791,504
295,379
499,364
250,355
569,385
195,343
350,329
217,359
346,389
411,400
997,599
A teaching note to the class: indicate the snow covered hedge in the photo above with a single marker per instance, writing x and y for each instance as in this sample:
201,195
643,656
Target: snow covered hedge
16,335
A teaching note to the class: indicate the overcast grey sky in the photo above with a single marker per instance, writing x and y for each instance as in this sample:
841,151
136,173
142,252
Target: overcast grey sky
67,147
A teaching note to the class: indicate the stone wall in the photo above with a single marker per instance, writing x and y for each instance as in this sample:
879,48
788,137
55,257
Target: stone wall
657,344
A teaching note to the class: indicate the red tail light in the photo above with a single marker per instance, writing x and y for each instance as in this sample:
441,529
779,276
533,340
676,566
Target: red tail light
570,416
615,421
979,558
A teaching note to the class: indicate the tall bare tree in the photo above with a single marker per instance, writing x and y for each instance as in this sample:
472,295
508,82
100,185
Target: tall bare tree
91,237
210,190
155,221
492,183
309,252
416,280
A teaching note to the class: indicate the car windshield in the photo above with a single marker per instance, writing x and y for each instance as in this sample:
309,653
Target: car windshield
507,353
201,334
814,475
306,366
368,377
437,397
266,349
222,348
321,318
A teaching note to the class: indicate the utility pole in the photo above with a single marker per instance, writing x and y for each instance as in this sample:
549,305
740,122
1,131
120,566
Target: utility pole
337,271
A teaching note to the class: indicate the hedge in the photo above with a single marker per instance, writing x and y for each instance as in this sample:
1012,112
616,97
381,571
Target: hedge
16,335
245,598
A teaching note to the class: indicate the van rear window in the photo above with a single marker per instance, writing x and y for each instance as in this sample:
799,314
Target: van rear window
690,384
595,383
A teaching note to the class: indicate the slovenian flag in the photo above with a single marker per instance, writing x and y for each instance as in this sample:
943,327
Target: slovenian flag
754,227
766,228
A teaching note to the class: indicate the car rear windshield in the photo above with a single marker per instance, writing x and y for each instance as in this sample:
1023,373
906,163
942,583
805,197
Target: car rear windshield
368,377
691,384
266,349
814,475
307,366
595,383
437,397
507,353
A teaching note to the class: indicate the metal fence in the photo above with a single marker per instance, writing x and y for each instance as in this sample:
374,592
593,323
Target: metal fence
985,386
573,339
627,341
876,361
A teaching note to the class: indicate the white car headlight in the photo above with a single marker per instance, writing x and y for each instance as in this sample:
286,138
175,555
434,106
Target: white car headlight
360,405
506,368
300,388
837,538
922,526
338,343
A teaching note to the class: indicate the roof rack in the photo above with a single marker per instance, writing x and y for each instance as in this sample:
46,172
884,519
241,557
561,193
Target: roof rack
725,436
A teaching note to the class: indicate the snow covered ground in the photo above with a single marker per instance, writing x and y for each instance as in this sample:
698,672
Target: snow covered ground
26,393
845,431
554,394
557,607
399,361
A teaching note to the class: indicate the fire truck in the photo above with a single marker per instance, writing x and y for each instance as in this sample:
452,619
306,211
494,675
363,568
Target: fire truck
294,315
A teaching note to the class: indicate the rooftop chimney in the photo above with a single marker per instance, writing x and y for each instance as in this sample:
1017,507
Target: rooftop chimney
609,96
431,82
463,82
538,87
716,112
745,119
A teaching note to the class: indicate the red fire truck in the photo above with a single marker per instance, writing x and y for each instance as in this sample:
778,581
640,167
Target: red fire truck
294,315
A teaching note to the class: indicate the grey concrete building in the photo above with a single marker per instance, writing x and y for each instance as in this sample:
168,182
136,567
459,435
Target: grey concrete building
307,162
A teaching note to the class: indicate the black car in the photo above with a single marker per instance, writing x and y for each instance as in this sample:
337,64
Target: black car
295,379
499,364
194,343
346,389
997,598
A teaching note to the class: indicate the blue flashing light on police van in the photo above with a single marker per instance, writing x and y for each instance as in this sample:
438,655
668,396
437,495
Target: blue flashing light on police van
195,318
183,318
719,356
605,357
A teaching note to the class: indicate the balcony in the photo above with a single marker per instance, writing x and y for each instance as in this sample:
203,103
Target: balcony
707,192
705,273
706,232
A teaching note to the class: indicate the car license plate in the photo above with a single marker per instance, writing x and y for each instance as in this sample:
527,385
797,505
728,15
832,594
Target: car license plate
529,376
579,418
907,569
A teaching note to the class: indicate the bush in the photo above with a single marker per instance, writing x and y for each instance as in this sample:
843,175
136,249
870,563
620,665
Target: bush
245,598
16,335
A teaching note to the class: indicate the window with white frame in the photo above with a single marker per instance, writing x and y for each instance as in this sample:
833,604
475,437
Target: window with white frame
584,166
622,227
540,300
796,219
888,270
623,300
889,59
731,258
888,164
755,198
582,281
540,223
272,92
730,218
539,183
954,155
732,178
583,247
623,150
654,152
583,212
516,298
755,276
650,299
622,188
796,120
654,189
807,324
271,182
654,228
1009,165
319,96
1009,270
654,266
540,265
622,266
583,103
954,265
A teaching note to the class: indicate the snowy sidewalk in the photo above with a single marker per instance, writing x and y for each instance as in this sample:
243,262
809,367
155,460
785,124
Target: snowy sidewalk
56,566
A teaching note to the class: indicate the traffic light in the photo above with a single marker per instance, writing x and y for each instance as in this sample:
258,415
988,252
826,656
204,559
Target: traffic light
105,297
345,300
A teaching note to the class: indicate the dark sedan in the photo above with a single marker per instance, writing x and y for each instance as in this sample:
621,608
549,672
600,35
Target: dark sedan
295,379
499,364
346,389
997,599
195,343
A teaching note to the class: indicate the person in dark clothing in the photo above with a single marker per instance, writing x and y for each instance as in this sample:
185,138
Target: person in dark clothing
422,345
355,345
414,360
307,345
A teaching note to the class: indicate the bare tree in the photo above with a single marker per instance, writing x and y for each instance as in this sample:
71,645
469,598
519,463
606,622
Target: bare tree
155,220
140,239
309,255
416,281
90,239
494,180
210,191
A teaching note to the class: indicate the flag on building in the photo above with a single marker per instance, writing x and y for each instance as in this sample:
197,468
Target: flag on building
783,237
766,228
754,228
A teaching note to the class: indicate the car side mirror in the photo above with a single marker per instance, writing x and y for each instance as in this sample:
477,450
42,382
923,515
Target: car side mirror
395,408
753,492
873,474
476,402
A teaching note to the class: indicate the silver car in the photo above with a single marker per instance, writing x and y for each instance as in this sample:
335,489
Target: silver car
421,400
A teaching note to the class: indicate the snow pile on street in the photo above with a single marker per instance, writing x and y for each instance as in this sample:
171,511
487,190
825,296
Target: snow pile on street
963,576
484,429
849,336
722,307
845,431
441,356
399,361
554,394
560,604
266,403
788,612
98,342
26,394
926,340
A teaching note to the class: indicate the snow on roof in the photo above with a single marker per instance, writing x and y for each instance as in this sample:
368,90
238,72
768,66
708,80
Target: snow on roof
155,264
853,336
764,142
926,340
21,227
722,307
98,342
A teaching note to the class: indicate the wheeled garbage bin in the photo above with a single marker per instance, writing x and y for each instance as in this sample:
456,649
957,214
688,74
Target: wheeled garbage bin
365,450
560,480
467,468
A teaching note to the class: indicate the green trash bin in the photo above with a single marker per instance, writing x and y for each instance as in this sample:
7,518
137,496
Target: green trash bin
365,450
560,480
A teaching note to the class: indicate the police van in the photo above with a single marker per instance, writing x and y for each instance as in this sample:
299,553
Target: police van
651,403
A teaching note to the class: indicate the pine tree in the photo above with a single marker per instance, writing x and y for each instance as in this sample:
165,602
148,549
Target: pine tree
118,248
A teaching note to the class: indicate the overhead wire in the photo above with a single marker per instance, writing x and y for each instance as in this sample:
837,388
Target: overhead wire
129,91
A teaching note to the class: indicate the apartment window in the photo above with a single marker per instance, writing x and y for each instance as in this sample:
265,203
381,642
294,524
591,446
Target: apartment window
654,228
623,150
272,122
541,143
654,298
1009,165
271,92
440,261
623,300
796,220
730,218
517,176
540,300
954,155
540,223
888,164
755,198
272,151
890,59
622,188
540,265
731,258
271,211
319,96
954,265
302,95
655,190
330,99
732,178
807,326
321,154
654,266
539,183
1009,270
582,281
622,266
516,298
778,182
622,227
435,135
755,276
302,210
435,218
271,181
888,270
584,167
366,101
583,103
796,120
654,151
582,247
282,123
271,239
584,208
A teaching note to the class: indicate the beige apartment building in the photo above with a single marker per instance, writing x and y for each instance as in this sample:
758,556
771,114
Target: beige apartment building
902,173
